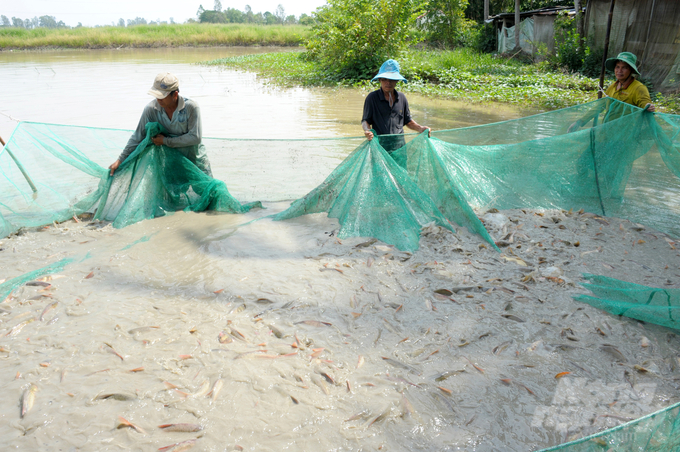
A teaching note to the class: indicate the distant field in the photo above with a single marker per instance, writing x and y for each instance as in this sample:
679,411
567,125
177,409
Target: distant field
175,35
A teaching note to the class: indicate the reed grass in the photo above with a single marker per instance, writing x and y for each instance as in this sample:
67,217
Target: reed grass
170,35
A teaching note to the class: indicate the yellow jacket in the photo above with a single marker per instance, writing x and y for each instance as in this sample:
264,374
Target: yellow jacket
635,94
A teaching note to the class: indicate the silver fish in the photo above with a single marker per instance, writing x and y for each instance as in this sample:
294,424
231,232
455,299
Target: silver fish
28,399
395,363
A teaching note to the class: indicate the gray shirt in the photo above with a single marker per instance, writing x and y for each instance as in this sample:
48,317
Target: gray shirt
184,131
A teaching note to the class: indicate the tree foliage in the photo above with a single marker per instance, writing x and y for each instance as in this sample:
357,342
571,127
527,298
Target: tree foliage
444,22
280,13
351,38
136,21
235,16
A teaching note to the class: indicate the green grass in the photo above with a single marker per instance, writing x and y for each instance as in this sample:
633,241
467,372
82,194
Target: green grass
172,35
462,74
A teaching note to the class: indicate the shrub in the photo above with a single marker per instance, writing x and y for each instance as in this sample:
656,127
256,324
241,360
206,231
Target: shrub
570,51
486,38
353,37
592,62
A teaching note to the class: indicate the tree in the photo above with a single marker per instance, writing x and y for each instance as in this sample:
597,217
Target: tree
17,23
290,20
353,37
443,19
48,21
249,14
200,11
5,21
121,22
212,17
280,13
305,19
136,21
218,6
234,16
269,18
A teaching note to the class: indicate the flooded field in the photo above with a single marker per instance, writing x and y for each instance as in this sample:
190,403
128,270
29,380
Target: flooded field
235,332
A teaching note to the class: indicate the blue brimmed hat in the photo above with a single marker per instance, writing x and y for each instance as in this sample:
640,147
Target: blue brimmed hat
629,58
390,71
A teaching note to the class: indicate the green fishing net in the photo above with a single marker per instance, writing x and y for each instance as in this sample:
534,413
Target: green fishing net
155,180
605,157
7,287
371,196
649,304
585,157
656,432
51,173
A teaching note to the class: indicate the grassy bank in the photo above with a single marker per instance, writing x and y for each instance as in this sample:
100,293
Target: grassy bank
462,74
173,35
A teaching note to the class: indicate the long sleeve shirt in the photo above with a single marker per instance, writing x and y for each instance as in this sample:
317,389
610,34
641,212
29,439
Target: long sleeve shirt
184,131
635,94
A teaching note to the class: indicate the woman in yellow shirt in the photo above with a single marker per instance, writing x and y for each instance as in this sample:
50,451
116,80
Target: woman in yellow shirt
626,88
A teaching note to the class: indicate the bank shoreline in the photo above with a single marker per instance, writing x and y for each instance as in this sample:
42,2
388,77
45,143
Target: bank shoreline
291,47
461,74
153,36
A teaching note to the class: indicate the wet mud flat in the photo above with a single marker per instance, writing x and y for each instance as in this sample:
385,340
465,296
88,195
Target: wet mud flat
279,335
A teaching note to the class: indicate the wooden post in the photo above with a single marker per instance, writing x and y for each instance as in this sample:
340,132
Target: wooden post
21,168
606,49
643,57
517,25
579,19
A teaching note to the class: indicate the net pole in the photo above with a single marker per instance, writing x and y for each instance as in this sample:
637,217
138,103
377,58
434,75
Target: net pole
21,168
597,179
606,48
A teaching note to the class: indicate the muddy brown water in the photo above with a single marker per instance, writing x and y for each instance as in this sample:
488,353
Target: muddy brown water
317,343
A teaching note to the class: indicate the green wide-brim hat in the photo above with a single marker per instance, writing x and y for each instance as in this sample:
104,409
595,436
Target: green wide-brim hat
627,57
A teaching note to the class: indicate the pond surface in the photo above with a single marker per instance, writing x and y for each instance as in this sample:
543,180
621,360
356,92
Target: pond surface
108,88
278,336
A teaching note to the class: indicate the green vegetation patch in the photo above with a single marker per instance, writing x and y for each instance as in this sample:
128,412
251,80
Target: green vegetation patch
169,35
462,74
459,74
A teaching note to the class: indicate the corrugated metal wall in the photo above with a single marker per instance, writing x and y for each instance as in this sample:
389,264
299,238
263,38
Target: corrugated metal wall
648,28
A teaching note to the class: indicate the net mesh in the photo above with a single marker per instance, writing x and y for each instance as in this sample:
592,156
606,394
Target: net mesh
51,173
619,161
368,191
605,157
656,432
649,304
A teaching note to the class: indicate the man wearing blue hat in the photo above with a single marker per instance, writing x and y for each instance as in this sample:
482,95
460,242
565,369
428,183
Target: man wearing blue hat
386,110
